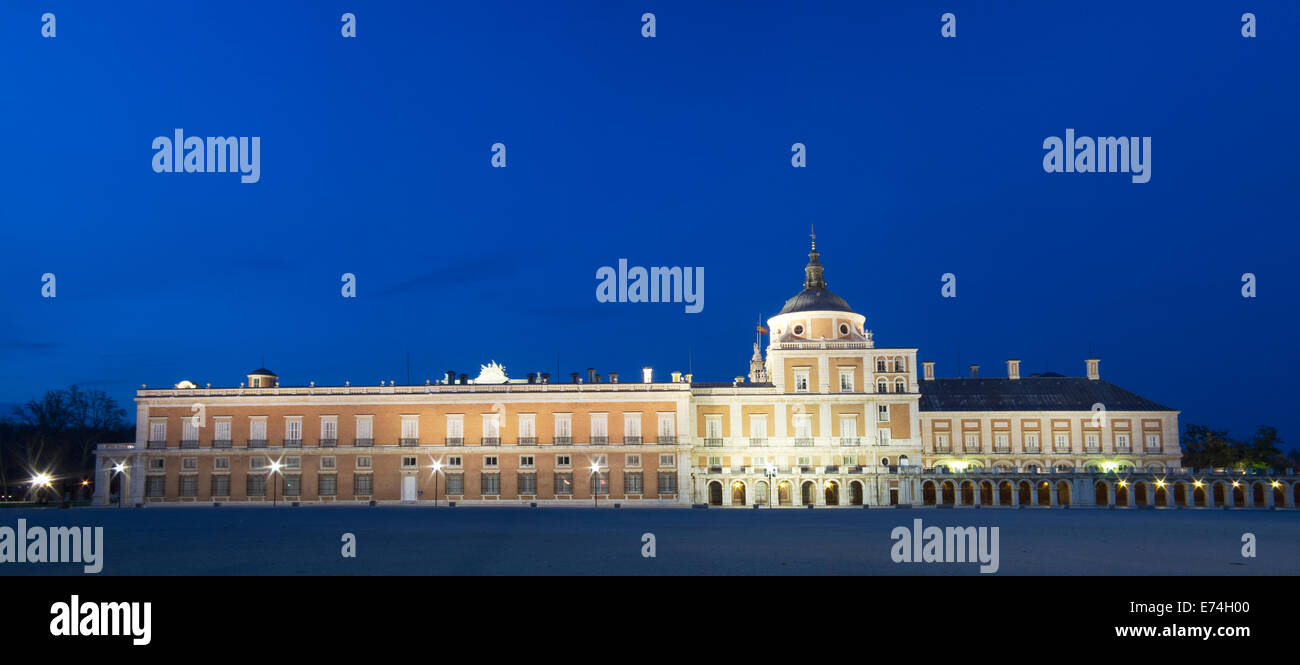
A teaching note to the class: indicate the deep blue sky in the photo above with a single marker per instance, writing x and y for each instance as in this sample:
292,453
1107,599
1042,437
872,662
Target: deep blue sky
924,157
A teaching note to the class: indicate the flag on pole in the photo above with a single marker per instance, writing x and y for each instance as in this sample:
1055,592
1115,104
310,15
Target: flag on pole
762,329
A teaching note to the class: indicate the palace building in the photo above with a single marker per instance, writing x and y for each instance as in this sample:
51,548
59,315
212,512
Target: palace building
825,418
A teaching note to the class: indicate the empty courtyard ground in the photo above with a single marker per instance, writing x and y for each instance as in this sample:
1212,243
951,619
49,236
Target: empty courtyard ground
477,540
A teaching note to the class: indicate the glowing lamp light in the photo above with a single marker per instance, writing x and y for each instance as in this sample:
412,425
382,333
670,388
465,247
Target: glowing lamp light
1108,466
1197,483
1236,484
1276,484
1123,483
119,467
41,480
594,467
436,466
275,466
85,483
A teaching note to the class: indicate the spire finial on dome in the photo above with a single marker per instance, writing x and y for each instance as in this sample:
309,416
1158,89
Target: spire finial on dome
813,234
813,277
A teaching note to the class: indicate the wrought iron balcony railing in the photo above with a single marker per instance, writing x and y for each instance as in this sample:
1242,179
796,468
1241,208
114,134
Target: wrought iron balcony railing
803,441
221,443
713,442
257,443
527,440
409,442
189,443
490,441
156,444
293,443
364,443
329,443
631,440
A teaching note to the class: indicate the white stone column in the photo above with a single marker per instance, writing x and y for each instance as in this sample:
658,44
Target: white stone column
103,478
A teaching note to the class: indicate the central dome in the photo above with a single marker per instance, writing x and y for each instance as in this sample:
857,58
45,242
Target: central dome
815,297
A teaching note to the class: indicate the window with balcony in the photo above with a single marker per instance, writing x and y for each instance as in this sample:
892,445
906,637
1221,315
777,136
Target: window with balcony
803,435
972,442
189,433
758,429
527,429
455,429
257,432
221,433
491,429
563,428
157,433
667,428
1001,443
599,429
1092,443
941,444
1153,443
1031,442
410,431
849,431
632,428
1122,443
293,432
329,431
713,430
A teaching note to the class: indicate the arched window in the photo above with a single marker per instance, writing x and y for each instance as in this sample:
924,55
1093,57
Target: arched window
880,364
898,364
882,386
902,460
900,386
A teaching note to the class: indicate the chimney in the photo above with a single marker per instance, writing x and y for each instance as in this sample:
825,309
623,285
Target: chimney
974,371
927,368
532,377
677,377
464,379
1093,373
546,377
738,380
613,377
647,375
573,377
451,377
688,377
591,375
1013,369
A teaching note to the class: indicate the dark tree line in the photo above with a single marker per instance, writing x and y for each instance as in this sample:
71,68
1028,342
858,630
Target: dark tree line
57,434
1204,447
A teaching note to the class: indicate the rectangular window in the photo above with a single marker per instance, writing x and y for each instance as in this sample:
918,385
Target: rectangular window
563,428
329,428
632,460
220,485
222,432
849,460
1092,441
562,460
1153,442
1031,442
410,430
154,486
528,483
1001,442
257,463
293,463
803,425
188,431
884,437
453,461
600,482
221,463
803,461
456,484
599,428
327,463
362,484
157,430
632,482
363,462
365,429
190,463
256,485
667,482
882,413
848,427
846,380
715,461
525,460
527,428
667,427
712,429
1062,442
328,484
492,427
257,428
490,484
667,460
1121,442
941,443
758,426
409,462
490,461
801,380
632,428
455,428
564,483
293,428
293,484
972,442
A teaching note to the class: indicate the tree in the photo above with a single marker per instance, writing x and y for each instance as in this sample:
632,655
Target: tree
1205,448
57,434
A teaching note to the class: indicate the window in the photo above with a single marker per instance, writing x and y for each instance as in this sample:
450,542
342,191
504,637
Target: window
882,413
880,364
941,442
257,463
758,426
631,428
222,432
1092,441
157,464
846,380
563,428
599,460
363,462
667,427
849,460
632,460
1031,441
562,460
362,484
154,486
328,483
803,461
528,428
712,428
667,482
329,428
972,442
157,430
600,482
525,460
220,485
564,483
409,462
456,483
327,462
632,482
1062,441
760,462
898,365
528,483
667,460
797,329
188,431
365,429
884,437
455,428
293,428
221,463
900,386
882,386
1121,442
803,425
256,485
490,484
800,380
492,427
1153,442
189,463
257,428
599,428
715,461
293,484
490,461
410,430
1001,442
848,427
454,460
293,463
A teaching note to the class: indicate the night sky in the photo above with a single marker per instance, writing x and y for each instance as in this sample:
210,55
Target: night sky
924,157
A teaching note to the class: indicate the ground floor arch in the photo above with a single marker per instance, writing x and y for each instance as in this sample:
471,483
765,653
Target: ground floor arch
715,493
783,497
807,494
855,493
1102,493
738,493
832,493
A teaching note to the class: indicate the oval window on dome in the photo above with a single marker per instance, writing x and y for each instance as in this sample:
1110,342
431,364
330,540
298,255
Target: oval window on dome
844,329
798,330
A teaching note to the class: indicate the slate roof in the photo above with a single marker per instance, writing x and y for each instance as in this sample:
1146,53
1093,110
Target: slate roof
1033,393
815,300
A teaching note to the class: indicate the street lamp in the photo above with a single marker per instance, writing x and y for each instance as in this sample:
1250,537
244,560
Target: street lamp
595,472
275,491
120,468
39,481
437,468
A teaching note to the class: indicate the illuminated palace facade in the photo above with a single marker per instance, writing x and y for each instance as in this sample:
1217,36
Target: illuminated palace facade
826,418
